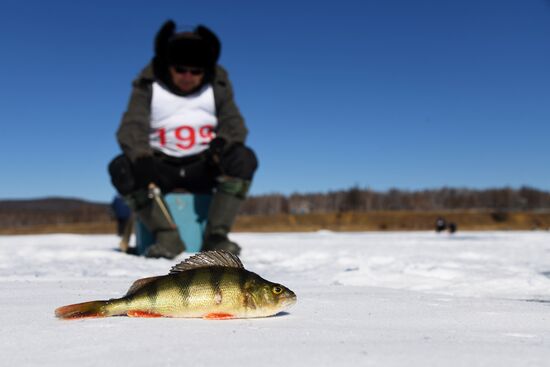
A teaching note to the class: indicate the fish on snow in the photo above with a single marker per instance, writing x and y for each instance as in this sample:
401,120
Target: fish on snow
209,285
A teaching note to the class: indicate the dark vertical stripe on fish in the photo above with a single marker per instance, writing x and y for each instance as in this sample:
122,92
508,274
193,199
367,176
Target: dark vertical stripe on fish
206,278
152,294
184,281
217,275
243,279
249,302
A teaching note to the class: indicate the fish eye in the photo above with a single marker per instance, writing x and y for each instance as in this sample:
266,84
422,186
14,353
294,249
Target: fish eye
277,290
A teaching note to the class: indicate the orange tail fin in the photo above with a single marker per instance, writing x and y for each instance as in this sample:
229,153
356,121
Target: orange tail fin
81,310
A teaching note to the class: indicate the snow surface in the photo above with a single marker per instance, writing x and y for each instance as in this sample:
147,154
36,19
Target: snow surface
380,299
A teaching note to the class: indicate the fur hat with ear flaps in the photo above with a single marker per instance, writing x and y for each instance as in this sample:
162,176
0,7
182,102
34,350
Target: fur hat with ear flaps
199,48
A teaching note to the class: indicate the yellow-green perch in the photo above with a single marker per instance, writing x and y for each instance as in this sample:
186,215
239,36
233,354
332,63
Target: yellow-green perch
211,285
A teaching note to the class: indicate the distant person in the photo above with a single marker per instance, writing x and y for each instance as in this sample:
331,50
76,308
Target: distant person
121,212
183,130
440,224
452,227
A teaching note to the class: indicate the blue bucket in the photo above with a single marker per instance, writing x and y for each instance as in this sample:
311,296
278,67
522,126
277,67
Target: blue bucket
190,213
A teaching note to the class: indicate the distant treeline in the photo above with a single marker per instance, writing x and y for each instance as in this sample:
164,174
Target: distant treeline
57,211
51,211
356,199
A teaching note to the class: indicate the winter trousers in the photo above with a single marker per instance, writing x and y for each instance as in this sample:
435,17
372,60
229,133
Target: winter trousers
194,174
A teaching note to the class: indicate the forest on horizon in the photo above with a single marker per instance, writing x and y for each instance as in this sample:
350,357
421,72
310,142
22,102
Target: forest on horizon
53,211
356,199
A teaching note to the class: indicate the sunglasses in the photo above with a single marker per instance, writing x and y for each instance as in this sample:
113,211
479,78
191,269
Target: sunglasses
184,69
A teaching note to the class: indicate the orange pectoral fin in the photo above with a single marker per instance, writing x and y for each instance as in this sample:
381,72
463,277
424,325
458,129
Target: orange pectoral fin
218,316
143,314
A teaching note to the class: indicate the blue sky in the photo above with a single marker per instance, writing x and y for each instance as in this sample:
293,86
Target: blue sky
379,94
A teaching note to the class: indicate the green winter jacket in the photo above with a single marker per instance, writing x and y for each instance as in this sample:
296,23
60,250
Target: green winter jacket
133,132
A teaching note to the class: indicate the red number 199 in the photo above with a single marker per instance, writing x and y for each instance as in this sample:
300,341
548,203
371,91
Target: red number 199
186,136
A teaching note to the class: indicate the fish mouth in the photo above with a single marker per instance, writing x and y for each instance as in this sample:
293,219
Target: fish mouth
288,300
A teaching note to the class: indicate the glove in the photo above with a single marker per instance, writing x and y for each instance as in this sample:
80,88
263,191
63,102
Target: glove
215,150
145,171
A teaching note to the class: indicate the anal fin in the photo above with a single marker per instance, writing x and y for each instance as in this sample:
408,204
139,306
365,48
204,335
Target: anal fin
145,314
218,316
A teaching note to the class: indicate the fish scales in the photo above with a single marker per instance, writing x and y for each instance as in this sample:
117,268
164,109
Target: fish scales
194,292
211,285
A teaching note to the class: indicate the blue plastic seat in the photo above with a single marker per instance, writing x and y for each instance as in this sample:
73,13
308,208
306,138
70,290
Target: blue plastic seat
190,213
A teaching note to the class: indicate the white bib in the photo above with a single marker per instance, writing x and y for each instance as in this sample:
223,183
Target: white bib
182,126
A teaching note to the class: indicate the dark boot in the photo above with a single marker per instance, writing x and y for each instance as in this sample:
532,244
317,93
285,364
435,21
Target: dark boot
222,213
167,244
152,211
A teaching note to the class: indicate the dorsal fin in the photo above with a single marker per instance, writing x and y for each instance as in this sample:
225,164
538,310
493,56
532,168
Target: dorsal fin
140,283
206,259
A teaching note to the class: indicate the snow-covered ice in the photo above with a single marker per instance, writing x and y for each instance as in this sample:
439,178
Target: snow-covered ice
380,299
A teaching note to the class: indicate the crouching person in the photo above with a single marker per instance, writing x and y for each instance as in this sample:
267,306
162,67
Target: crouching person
183,131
